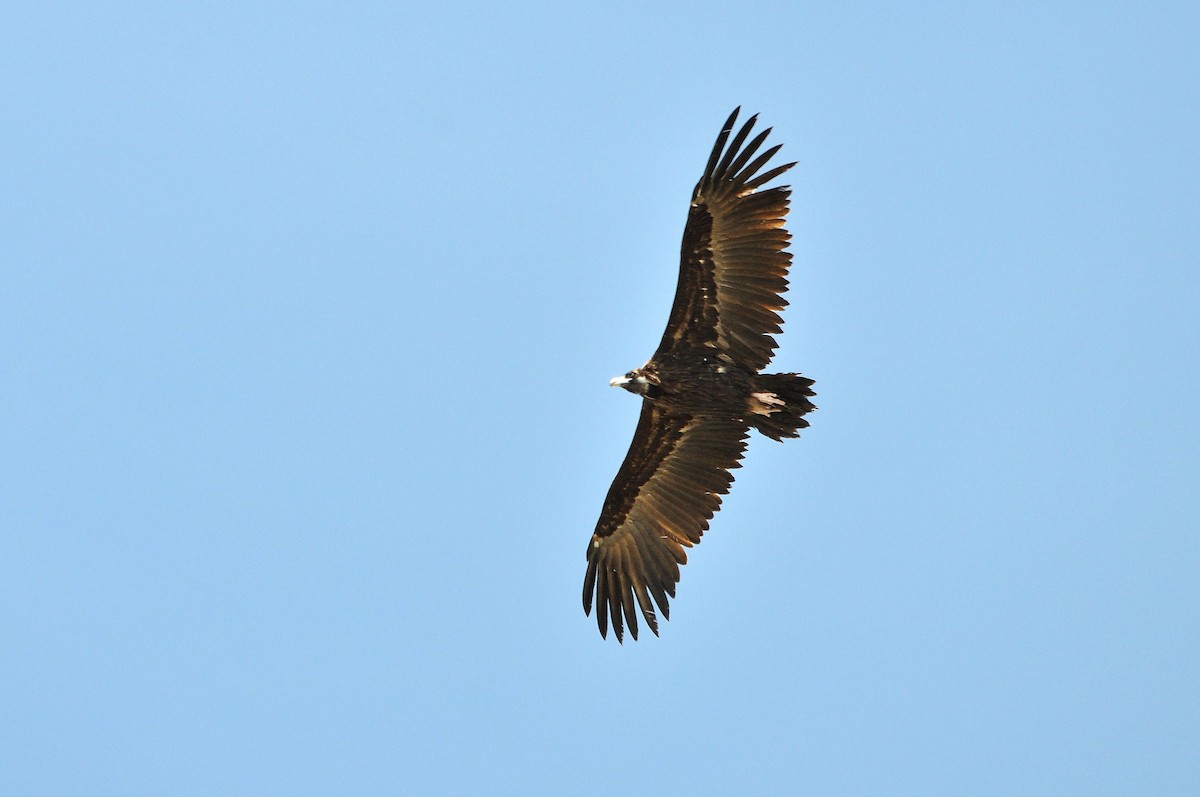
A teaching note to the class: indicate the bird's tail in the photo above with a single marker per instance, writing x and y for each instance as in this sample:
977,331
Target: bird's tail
779,403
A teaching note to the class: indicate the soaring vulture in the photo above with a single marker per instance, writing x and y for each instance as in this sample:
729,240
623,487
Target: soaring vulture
701,391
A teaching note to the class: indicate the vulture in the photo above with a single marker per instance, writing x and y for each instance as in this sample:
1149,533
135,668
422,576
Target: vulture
702,391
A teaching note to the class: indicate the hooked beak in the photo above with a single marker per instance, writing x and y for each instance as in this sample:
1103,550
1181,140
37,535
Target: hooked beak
619,381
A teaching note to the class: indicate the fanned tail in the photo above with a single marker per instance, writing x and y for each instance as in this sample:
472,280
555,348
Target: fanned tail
779,403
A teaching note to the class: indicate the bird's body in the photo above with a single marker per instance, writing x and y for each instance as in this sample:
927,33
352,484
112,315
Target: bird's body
702,390
697,381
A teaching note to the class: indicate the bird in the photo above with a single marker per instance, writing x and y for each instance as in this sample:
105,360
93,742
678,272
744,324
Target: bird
702,391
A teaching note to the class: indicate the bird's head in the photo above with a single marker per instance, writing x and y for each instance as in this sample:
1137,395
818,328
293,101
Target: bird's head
638,381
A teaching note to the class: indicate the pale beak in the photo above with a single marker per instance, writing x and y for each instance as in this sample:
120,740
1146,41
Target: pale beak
619,381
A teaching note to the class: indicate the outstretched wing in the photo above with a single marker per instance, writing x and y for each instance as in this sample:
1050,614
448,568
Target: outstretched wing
667,489
733,267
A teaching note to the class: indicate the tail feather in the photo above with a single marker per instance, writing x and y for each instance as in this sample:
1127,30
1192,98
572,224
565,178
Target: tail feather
779,403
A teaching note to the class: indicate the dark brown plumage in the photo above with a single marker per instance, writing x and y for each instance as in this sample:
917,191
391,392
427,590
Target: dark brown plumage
702,390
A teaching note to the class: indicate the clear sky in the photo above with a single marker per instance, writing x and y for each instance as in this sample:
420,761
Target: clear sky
307,316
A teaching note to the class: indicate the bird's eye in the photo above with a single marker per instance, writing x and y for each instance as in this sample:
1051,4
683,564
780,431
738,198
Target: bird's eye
629,375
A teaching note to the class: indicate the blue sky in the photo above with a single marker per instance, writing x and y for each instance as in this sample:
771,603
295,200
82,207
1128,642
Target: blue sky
306,320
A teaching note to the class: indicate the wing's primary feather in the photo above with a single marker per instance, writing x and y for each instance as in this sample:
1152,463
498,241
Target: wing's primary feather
733,261
666,491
